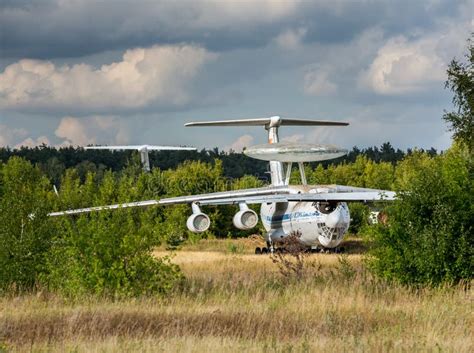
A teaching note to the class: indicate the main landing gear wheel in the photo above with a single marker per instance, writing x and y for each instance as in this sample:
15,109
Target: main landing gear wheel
258,251
338,250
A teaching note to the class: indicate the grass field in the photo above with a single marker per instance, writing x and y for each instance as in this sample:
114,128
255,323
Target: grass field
233,301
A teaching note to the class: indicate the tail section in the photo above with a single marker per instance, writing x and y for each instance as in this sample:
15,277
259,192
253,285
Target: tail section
271,125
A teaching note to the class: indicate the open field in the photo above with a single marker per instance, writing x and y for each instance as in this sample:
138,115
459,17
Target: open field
233,301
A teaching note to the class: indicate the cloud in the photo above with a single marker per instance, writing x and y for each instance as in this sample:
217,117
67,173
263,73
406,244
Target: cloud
31,142
293,138
290,39
11,137
8,135
82,27
58,28
159,75
239,144
279,55
404,65
317,83
92,130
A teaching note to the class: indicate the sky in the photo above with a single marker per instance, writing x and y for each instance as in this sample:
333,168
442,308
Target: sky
78,72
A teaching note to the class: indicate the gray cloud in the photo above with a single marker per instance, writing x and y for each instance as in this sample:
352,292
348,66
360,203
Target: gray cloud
51,29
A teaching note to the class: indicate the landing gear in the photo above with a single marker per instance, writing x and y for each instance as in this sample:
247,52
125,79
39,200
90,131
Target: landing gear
313,250
265,250
338,250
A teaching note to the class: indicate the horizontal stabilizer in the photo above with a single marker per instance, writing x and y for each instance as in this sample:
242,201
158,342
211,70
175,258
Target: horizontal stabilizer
273,121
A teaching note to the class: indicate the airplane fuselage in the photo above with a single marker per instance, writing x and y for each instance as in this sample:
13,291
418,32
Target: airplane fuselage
318,223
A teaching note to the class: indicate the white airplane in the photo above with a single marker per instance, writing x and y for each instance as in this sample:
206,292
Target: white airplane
319,213
143,149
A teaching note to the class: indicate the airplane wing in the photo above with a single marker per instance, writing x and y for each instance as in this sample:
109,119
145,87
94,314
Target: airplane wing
338,193
269,194
170,148
257,192
101,208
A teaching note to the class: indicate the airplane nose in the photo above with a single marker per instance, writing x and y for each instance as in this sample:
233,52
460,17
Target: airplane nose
334,219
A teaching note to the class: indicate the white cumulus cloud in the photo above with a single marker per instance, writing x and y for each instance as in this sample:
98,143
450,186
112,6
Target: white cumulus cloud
317,83
404,65
239,144
32,142
154,75
92,130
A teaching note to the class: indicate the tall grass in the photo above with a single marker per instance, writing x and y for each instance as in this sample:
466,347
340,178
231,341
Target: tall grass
232,302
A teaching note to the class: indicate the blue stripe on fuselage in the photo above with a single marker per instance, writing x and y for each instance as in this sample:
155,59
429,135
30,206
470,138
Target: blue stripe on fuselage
289,216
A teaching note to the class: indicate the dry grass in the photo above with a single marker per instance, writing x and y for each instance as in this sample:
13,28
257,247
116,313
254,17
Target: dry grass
238,302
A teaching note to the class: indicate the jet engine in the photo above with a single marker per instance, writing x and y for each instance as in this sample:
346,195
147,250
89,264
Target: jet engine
198,222
246,218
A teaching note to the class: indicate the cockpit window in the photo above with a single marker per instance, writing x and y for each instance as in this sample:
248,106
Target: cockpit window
325,207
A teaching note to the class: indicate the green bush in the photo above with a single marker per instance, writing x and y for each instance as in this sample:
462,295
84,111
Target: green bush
25,231
429,235
359,217
110,252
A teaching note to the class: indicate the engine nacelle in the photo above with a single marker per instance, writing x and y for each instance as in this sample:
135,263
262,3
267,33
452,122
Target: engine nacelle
246,218
198,222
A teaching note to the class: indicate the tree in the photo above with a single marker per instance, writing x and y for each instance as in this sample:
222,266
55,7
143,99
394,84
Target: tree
25,231
461,82
428,238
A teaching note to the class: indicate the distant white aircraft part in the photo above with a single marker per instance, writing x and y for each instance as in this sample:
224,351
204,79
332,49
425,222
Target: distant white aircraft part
143,149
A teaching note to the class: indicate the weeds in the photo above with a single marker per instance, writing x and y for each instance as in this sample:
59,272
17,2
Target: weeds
235,249
345,268
291,257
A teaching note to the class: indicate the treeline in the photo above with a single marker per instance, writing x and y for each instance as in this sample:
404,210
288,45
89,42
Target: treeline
54,161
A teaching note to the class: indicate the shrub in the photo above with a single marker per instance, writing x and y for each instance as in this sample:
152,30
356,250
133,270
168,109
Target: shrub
359,216
291,257
110,252
429,235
